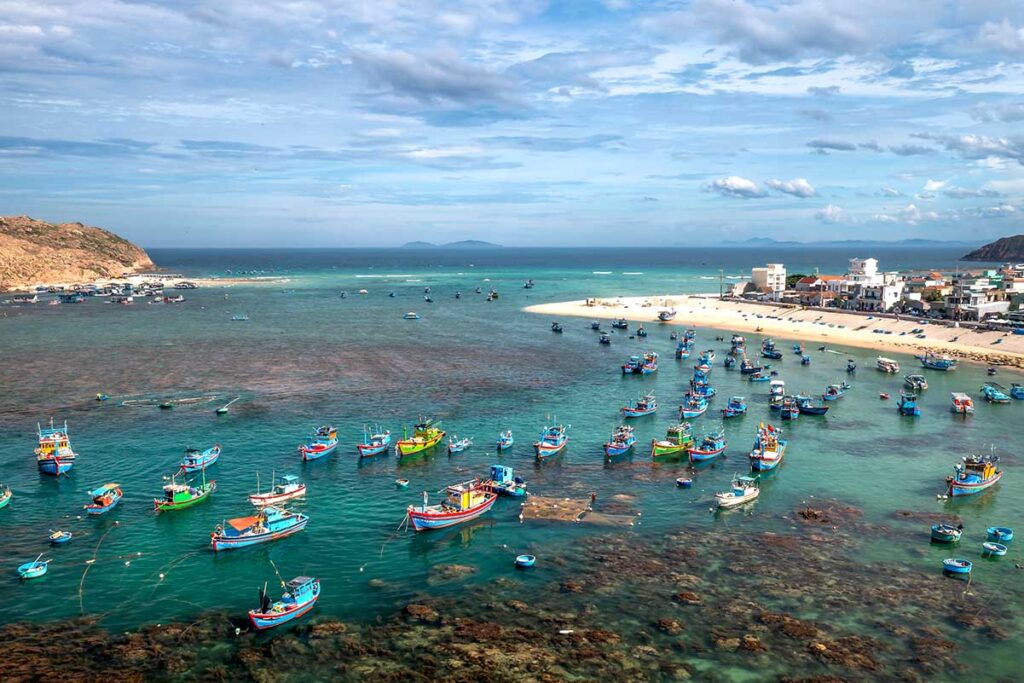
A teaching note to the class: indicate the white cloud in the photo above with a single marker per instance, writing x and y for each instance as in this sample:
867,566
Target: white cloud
913,215
934,185
1004,36
735,186
831,214
890,192
798,187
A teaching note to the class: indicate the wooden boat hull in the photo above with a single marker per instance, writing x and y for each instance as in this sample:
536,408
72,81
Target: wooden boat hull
954,566
505,445
264,499
62,539
55,467
611,449
759,464
200,464
630,412
545,450
368,450
221,542
32,570
262,621
313,453
727,502
661,449
945,535
410,447
94,509
698,455
162,505
5,499
813,410
425,521
969,488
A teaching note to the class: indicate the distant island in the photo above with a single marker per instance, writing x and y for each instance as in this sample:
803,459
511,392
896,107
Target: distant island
463,244
917,242
34,252
1004,250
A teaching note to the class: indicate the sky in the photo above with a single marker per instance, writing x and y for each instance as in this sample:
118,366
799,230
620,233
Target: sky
617,122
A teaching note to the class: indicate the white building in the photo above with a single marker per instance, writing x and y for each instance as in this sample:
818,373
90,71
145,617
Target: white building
863,272
770,280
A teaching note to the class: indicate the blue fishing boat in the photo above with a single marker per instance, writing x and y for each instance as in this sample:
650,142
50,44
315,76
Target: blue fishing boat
748,367
556,327
323,442
59,537
768,350
798,349
1000,534
650,363
834,392
790,410
806,407
737,345
553,441
620,324
957,566
758,377
737,406
693,406
645,405
973,474
195,460
594,324
1017,391
946,533
34,569
301,594
710,447
374,443
504,482
994,393
641,332
805,360
104,499
604,339
992,549
621,441
701,388
907,405
269,524
851,367
54,455
457,445
505,440
465,501
934,361
682,350
632,365
729,361
769,448
525,561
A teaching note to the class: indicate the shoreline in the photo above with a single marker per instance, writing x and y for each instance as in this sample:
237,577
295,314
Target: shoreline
138,279
810,325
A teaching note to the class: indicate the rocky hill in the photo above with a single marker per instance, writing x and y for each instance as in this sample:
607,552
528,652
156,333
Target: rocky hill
1005,249
34,252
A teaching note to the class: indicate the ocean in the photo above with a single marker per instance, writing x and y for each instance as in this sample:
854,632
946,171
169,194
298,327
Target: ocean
306,356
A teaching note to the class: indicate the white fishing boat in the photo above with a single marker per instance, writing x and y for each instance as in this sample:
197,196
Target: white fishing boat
887,365
744,490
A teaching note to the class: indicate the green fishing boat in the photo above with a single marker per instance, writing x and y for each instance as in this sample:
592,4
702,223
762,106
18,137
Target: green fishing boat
426,434
180,496
678,440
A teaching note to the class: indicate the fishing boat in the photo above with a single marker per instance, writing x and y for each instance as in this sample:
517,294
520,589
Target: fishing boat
834,392
743,490
758,377
237,317
457,445
556,327
553,441
301,594
711,446
798,349
682,350
806,407
5,496
604,339
505,440
650,363
678,440
748,367
701,387
777,387
641,332
916,382
1017,391
883,396
411,315
737,406
34,569
195,460
323,442
504,482
693,406
805,360
525,561
268,524
464,502
790,409
402,483
1000,534
54,455
769,448
632,365
991,548
907,405
645,405
104,499
954,565
374,443
666,314
180,496
729,361
887,365
946,533
594,324
288,488
961,403
851,367
528,284
768,350
621,441
973,474
994,393
59,537
425,435
620,324
934,361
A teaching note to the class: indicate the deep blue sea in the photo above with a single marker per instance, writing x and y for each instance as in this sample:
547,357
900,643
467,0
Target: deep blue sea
306,357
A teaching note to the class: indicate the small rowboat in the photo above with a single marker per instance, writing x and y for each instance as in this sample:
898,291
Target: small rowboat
946,533
1000,534
457,445
5,496
955,565
196,460
104,499
684,482
525,561
505,440
402,483
743,490
34,569
302,593
59,537
994,549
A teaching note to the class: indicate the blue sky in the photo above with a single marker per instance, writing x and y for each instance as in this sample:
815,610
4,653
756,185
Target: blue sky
375,122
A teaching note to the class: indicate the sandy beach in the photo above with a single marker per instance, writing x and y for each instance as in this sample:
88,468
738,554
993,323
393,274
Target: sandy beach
815,326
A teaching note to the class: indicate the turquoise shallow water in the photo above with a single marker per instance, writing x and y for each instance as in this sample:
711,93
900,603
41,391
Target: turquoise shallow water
308,357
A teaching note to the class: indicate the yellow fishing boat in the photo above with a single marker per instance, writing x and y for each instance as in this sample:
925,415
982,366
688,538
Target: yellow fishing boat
426,434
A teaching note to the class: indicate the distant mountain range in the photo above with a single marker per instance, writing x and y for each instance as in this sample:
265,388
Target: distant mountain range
769,242
1005,249
463,244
